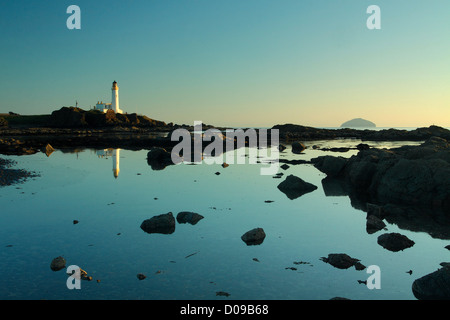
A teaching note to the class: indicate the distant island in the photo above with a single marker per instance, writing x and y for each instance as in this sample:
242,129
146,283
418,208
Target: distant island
358,123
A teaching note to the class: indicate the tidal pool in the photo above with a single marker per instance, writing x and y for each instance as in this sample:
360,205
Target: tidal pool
195,261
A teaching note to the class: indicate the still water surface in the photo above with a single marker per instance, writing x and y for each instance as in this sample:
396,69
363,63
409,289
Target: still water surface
195,261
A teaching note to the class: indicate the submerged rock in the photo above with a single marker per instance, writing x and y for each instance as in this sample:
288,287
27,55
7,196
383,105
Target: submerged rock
189,217
433,286
254,237
394,241
141,276
294,187
164,223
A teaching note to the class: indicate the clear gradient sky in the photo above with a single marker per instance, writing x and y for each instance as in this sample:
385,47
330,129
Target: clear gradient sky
232,62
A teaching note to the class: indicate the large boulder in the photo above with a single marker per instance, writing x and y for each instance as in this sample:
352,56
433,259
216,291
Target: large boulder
294,187
433,286
164,223
416,182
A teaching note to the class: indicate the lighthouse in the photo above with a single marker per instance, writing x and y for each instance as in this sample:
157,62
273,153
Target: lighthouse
114,105
115,98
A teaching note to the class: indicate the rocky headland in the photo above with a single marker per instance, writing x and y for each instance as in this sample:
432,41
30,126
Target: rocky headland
74,128
410,175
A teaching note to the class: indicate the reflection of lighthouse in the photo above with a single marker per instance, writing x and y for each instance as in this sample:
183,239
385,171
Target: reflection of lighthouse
116,161
115,155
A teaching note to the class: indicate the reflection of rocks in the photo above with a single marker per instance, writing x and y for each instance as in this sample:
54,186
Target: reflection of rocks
164,223
342,261
333,187
394,241
374,224
433,286
12,146
254,237
330,165
159,158
417,175
408,186
435,222
189,217
294,187
10,176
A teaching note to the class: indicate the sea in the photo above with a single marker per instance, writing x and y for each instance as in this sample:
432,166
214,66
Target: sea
79,209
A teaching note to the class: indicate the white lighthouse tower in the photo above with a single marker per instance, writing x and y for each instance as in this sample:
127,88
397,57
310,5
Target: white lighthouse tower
115,98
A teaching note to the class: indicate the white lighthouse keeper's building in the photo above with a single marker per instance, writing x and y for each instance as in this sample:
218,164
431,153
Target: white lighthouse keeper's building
114,105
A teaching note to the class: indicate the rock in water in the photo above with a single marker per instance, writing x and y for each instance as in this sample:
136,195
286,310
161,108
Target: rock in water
48,150
164,223
58,264
298,147
433,286
394,241
254,237
294,187
189,217
159,158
